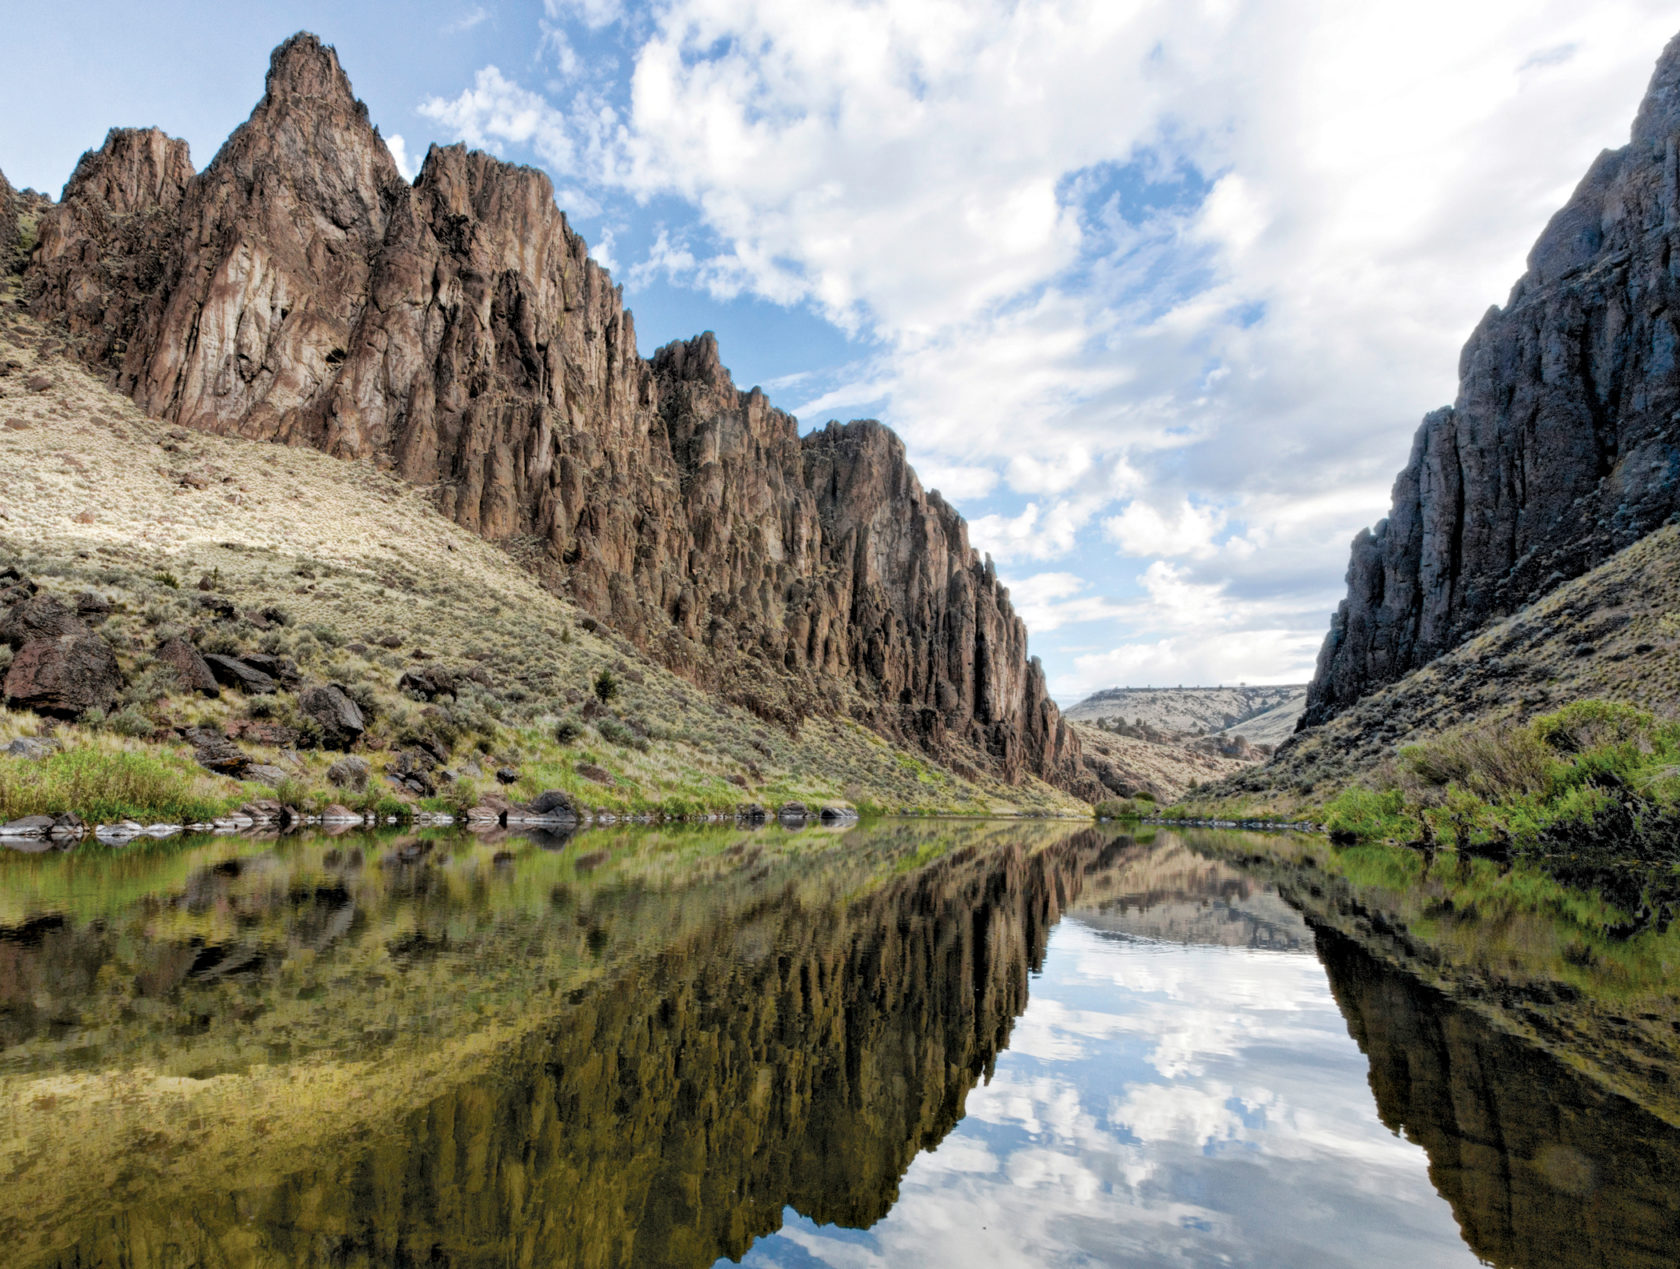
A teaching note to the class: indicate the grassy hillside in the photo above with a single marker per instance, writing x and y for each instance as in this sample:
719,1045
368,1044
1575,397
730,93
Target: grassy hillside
350,571
1554,724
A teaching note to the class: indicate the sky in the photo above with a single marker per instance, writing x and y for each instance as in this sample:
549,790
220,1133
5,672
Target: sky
1155,291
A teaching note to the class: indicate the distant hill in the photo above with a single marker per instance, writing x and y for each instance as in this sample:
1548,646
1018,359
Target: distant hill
1198,710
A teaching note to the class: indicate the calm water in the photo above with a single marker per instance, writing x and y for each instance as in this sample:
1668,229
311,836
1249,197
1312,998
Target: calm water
962,1044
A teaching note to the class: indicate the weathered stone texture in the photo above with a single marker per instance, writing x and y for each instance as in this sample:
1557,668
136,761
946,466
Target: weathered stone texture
457,331
1563,446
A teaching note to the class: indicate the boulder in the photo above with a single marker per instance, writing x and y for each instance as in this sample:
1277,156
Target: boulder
63,677
335,713
234,672
428,682
40,616
263,773
552,807
191,670
31,747
506,775
92,607
413,771
215,752
349,773
792,811
283,670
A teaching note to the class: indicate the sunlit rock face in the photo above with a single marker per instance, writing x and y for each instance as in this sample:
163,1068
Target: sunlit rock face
1563,446
1542,1167
299,290
801,1055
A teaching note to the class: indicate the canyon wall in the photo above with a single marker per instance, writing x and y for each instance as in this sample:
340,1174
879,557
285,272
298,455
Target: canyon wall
299,290
1563,446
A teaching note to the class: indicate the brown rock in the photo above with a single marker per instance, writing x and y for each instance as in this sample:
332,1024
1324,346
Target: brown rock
234,672
458,330
63,677
41,616
191,670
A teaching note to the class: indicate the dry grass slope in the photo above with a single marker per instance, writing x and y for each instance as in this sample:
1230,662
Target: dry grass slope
1612,634
371,580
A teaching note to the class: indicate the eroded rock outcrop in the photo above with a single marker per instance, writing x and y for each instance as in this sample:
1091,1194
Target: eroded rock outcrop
9,228
1563,446
457,331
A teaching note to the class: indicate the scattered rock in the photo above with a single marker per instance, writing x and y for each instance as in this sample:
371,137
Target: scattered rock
349,773
336,814
283,670
506,775
335,713
215,752
234,672
792,811
428,681
30,747
63,677
218,607
265,774
413,771
258,731
191,671
600,775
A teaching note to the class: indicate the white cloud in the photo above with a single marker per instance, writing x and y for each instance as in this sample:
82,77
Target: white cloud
1227,247
474,17
399,153
1142,530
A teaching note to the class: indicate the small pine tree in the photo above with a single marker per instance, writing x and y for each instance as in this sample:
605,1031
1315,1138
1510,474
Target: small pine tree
606,686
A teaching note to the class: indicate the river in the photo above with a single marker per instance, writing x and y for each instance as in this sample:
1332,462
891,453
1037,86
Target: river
945,1043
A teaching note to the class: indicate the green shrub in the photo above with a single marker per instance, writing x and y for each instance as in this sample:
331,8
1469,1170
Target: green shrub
102,786
606,686
131,721
1360,814
568,729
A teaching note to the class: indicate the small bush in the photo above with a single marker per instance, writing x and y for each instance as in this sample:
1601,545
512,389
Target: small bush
131,721
568,729
615,732
606,686
167,579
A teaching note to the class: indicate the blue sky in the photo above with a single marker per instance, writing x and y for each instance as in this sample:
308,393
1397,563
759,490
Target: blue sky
1156,290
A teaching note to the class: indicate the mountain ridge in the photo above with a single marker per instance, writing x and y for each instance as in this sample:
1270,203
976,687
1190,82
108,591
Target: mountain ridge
1563,446
457,332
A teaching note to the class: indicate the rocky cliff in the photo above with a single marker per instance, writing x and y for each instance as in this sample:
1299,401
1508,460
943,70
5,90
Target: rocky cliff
8,225
1563,446
300,290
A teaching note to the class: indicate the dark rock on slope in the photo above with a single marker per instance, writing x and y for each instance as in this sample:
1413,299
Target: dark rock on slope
457,331
1564,444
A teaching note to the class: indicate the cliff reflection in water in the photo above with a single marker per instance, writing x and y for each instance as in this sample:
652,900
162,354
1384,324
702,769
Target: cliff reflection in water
1543,1167
798,1054
654,1048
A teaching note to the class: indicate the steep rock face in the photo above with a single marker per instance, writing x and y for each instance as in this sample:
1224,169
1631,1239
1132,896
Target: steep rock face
101,250
9,227
458,331
1563,446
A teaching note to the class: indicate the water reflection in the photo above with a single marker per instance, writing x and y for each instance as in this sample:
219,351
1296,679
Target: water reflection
907,1043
